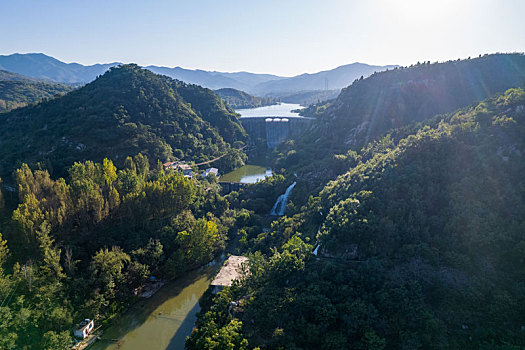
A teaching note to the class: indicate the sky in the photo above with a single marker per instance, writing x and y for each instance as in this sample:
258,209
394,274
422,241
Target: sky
284,37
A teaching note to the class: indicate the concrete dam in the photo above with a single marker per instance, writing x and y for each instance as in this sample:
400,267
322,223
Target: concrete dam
275,129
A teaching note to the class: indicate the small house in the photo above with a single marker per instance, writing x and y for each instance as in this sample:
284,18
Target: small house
168,165
84,328
182,167
230,271
185,169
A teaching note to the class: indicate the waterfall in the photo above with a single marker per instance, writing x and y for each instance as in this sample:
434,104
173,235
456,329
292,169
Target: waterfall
280,204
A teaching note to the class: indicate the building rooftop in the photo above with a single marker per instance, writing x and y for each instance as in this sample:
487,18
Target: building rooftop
214,171
168,164
183,166
84,324
230,271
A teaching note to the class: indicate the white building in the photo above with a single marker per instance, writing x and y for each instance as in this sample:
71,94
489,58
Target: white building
213,171
84,328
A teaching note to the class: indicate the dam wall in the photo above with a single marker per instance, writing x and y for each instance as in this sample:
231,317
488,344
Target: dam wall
275,129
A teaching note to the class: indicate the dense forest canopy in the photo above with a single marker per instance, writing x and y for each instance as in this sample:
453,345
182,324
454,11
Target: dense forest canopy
126,111
419,245
78,247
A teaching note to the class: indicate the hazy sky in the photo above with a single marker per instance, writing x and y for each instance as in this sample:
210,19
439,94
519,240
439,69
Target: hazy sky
285,37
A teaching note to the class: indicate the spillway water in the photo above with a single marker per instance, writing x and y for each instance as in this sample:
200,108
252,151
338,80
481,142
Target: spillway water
280,204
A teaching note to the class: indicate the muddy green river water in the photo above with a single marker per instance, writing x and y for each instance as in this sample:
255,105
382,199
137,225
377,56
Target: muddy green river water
247,174
162,321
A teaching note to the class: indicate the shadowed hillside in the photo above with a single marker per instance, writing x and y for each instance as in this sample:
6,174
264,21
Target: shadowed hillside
18,91
371,107
387,100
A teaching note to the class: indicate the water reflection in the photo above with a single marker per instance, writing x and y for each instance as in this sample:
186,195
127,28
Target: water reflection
247,174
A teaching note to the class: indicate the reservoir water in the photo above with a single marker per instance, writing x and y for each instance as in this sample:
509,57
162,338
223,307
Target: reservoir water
247,174
278,110
162,321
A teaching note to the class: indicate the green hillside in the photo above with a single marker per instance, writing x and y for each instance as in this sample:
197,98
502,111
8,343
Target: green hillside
239,99
18,91
124,112
421,247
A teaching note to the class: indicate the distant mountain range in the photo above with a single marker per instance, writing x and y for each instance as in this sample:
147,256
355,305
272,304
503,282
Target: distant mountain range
41,66
333,79
215,80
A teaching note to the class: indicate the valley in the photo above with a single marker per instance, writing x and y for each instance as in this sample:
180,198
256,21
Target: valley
388,216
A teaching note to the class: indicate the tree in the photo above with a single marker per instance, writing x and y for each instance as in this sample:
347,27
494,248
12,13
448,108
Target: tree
150,255
57,341
107,269
109,172
51,268
28,217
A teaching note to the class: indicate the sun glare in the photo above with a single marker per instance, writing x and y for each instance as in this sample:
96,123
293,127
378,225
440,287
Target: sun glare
424,10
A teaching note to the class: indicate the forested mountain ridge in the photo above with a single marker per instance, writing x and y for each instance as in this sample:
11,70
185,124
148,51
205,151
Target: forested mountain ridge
239,99
126,111
420,246
18,91
391,99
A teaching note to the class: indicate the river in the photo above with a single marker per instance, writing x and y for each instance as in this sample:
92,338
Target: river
162,321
